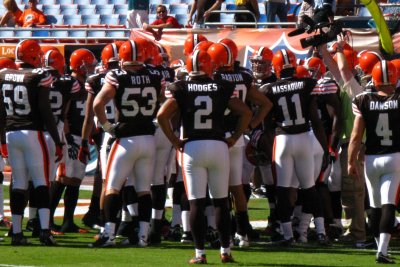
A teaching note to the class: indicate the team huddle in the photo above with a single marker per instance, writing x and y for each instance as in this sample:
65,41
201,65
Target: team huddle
201,127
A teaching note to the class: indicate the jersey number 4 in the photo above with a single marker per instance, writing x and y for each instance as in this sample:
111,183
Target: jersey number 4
382,129
16,99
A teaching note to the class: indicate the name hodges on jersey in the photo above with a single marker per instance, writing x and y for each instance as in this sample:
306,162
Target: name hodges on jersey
209,87
376,105
287,87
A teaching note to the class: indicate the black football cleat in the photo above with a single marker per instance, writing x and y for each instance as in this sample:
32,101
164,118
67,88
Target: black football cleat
46,238
19,240
385,259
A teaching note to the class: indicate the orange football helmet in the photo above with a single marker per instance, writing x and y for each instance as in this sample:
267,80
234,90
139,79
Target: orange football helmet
302,72
7,63
315,66
384,73
54,59
203,45
283,59
221,56
29,51
367,61
396,63
110,51
48,48
232,45
82,61
133,51
351,58
261,62
199,61
191,42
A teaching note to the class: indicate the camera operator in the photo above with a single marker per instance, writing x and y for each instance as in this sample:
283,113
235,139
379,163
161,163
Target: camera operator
353,190
319,10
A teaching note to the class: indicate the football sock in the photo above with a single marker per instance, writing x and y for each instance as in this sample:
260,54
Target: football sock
70,201
197,222
222,218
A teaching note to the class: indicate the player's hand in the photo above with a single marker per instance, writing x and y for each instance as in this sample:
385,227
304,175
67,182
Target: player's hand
59,152
110,128
230,141
178,144
333,155
353,170
84,152
73,147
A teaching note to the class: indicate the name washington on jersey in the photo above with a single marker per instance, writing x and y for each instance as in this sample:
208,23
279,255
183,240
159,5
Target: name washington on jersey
287,87
209,87
376,105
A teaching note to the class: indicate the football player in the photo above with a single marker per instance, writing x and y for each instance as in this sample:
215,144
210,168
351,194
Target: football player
222,60
25,111
294,107
377,115
204,153
82,63
135,92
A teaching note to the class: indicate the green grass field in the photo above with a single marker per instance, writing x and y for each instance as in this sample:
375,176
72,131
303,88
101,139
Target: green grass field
73,251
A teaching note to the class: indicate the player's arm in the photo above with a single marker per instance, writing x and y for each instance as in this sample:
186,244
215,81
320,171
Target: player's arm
167,111
330,62
258,99
335,111
240,109
88,122
355,145
105,95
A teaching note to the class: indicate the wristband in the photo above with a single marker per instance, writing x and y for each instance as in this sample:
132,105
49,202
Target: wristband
333,152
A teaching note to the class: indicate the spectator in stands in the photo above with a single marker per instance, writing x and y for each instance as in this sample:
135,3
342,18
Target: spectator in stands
204,8
32,16
163,21
138,13
277,8
11,17
251,5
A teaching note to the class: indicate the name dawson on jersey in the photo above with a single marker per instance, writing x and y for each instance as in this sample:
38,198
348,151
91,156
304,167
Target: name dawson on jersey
142,79
234,77
287,87
14,77
376,105
209,87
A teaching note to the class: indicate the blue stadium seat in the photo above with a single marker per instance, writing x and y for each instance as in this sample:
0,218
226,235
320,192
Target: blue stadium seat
71,9
155,2
61,33
182,18
186,1
22,34
152,17
78,34
118,2
99,2
5,35
169,1
230,6
109,19
227,17
86,9
82,2
105,9
51,9
55,19
65,2
99,32
117,32
122,19
45,2
72,19
178,9
121,9
91,19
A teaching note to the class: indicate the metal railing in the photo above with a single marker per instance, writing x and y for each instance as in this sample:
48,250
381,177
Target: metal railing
39,33
234,23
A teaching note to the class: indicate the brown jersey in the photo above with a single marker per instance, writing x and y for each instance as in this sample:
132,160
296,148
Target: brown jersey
21,98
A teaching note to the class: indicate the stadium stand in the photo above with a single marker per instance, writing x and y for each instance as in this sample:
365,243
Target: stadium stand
65,2
105,9
53,9
91,19
109,19
86,9
69,9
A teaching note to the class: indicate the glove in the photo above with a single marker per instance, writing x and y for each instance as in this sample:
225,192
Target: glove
333,155
110,142
73,148
110,128
255,137
84,153
4,151
59,151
